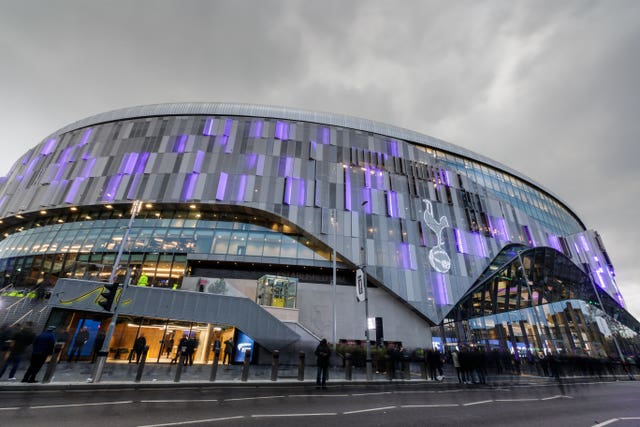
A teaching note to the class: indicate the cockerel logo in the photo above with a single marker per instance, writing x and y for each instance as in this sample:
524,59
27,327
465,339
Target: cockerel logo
438,257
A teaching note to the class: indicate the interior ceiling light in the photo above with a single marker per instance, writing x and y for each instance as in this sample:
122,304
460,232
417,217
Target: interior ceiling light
73,208
108,206
43,212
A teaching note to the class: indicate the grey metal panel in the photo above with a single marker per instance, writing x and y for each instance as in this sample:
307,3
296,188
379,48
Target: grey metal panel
250,110
161,303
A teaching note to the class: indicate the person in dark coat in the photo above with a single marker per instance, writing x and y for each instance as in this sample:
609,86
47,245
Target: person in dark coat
42,348
97,345
192,344
81,339
323,355
181,350
138,347
228,351
21,338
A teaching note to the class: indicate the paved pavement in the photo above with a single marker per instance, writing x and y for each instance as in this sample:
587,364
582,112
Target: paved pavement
118,375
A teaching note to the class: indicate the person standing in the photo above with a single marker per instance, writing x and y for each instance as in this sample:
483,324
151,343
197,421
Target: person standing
138,347
323,355
192,344
43,347
81,339
228,350
168,346
21,338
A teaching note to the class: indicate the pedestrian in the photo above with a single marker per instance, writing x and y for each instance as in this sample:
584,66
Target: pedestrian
323,355
456,364
97,345
43,346
228,350
192,344
138,347
168,346
21,338
181,350
81,339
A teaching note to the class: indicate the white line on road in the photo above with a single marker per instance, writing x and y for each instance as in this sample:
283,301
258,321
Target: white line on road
516,400
10,408
178,400
182,423
319,395
435,405
371,394
317,414
383,408
605,423
253,398
477,403
557,396
73,405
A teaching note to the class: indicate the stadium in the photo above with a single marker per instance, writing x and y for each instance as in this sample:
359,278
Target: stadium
253,223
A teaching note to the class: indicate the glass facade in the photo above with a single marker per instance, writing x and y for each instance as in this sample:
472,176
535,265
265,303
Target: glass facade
257,186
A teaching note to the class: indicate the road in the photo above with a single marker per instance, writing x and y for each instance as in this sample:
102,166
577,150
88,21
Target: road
405,404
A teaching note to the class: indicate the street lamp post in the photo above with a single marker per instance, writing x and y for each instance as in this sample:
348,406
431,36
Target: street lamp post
104,351
366,293
335,321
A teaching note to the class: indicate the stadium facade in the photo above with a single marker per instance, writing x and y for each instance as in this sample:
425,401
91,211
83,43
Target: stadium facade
241,210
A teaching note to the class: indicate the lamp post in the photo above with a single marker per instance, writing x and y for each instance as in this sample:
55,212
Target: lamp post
366,292
335,321
104,351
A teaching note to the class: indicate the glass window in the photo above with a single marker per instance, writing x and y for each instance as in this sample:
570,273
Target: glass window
221,242
255,243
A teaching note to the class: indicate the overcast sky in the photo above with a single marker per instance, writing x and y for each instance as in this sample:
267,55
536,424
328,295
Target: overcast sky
550,88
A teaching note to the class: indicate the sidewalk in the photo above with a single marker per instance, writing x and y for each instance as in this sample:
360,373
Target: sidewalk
161,375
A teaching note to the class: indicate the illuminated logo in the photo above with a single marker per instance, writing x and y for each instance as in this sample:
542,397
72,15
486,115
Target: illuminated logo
438,257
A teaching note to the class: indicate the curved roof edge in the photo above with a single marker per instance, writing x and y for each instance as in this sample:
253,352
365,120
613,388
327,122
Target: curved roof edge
270,111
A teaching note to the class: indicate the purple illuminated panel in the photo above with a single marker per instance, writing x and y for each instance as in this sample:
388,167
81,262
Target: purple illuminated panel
288,184
256,129
73,190
407,261
367,177
227,127
501,230
197,163
529,236
112,188
128,163
554,242
392,204
208,127
85,137
242,186
461,244
142,162
282,130
222,186
62,164
48,147
444,174
30,167
250,161
180,144
439,287
2,200
393,148
189,186
366,196
480,248
583,243
325,136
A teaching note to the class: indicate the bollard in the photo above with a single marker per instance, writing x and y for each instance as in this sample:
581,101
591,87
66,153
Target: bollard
391,368
423,369
143,359
214,368
245,368
301,359
406,367
51,367
347,366
181,360
275,359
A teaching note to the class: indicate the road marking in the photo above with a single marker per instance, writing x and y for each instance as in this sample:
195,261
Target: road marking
371,394
317,414
319,395
383,408
477,403
178,400
10,408
435,405
516,400
557,396
73,405
611,421
253,398
182,423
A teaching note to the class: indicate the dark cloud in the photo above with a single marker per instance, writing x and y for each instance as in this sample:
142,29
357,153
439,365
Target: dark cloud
548,88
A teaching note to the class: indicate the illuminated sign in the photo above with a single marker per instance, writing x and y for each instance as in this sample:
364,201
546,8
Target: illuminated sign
438,257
